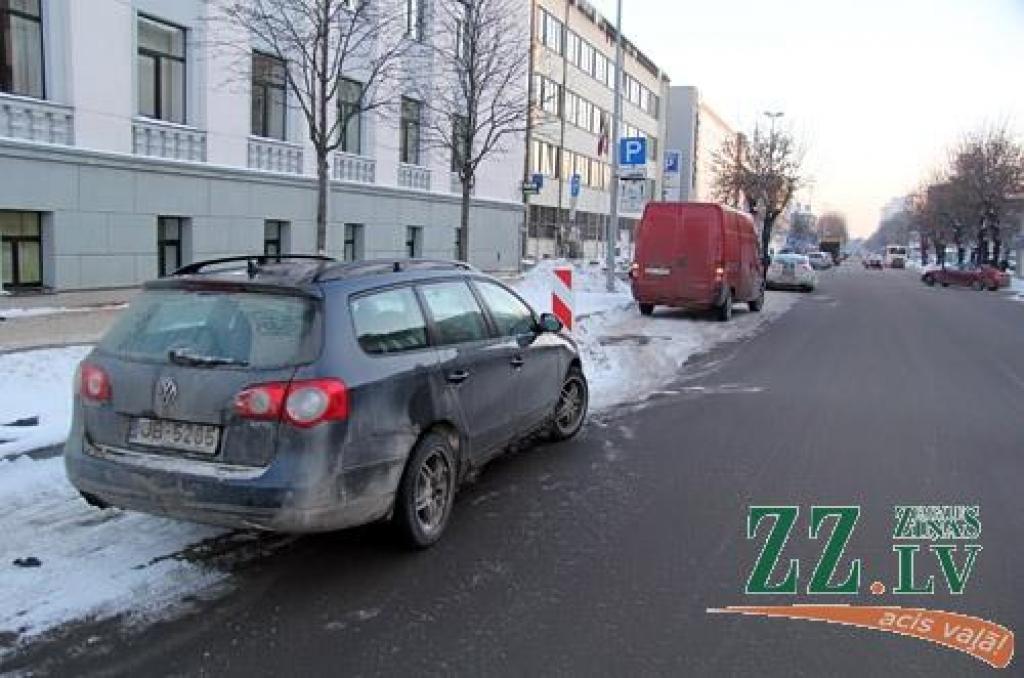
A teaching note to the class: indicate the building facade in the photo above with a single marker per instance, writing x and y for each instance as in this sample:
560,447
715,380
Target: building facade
697,132
573,65
130,146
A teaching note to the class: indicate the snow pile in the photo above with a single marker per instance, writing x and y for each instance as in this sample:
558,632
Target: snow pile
627,356
64,560
35,401
1017,287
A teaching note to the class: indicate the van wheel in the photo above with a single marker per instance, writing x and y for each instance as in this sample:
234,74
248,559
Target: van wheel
929,281
725,310
757,304
646,309
427,492
978,285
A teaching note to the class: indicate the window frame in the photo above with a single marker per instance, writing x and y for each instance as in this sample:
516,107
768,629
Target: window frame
357,117
14,241
415,22
416,242
157,57
354,229
266,86
5,27
162,241
404,128
278,241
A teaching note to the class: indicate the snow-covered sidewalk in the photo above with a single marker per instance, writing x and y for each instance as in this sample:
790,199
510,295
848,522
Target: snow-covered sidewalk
74,561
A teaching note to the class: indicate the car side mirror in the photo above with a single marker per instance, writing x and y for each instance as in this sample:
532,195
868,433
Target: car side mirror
549,322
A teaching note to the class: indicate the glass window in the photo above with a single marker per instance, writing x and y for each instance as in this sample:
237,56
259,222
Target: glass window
572,47
21,236
551,95
161,70
350,95
273,237
414,241
269,96
168,245
509,313
260,330
587,58
21,48
353,242
456,315
410,131
601,68
389,322
552,32
414,19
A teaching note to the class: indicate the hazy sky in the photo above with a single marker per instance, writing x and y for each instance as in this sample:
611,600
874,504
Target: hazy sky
877,89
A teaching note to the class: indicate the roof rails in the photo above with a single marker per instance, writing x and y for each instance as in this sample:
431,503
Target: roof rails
380,266
253,262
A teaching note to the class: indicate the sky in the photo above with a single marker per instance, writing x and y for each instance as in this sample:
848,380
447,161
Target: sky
876,90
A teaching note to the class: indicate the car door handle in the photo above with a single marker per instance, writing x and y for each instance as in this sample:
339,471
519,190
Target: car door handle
457,377
517,361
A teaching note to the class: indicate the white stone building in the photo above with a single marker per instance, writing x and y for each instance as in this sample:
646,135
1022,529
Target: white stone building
698,132
570,129
126,150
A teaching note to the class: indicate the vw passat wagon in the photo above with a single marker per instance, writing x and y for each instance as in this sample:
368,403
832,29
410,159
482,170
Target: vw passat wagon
300,394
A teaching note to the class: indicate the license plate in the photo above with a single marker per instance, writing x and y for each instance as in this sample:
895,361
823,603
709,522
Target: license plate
174,435
656,270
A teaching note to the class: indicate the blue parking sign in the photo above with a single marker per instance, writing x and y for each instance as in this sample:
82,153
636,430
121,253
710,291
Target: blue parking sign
633,151
673,161
574,186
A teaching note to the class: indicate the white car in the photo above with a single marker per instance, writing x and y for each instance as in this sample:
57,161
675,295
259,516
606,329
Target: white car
791,271
820,261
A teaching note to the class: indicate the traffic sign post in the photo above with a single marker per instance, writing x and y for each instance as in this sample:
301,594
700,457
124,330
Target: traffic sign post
574,194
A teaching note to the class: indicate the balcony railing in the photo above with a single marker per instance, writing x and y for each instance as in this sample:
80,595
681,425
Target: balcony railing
36,120
414,176
168,140
351,167
272,155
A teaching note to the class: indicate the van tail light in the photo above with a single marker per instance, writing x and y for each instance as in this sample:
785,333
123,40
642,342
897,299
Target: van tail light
303,403
93,383
634,270
720,273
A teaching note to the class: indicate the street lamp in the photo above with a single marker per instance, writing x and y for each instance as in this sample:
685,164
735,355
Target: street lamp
773,115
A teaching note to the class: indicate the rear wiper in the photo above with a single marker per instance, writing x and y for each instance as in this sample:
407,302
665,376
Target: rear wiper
182,356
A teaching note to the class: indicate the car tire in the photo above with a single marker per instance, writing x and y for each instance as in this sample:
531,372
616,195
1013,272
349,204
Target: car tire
756,305
646,309
725,310
978,285
426,492
993,288
929,281
945,284
571,407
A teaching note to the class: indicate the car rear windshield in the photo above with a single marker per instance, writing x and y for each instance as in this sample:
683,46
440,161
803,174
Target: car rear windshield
214,327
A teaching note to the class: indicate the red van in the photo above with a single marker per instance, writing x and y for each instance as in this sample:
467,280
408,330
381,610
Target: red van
697,256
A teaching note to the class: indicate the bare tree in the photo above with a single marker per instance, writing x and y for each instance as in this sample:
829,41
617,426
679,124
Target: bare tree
477,106
766,169
987,169
320,42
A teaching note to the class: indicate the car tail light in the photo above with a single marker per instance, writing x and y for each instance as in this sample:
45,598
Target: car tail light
300,403
93,383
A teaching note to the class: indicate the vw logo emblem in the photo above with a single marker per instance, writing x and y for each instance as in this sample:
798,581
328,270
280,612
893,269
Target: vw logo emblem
167,391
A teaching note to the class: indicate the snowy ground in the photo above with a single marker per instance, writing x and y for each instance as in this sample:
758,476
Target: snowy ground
95,563
1017,287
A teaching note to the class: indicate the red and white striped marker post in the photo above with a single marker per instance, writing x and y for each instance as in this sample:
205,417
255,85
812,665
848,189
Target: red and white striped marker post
562,302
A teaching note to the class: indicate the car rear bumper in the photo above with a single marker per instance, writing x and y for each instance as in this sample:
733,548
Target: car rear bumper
271,498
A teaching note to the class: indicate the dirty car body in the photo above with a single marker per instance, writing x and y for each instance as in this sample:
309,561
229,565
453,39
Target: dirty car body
289,396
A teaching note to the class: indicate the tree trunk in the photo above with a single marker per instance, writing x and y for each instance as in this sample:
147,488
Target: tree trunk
960,254
467,187
322,186
766,239
997,244
924,252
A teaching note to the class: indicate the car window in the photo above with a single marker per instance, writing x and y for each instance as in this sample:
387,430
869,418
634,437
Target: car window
389,322
258,330
456,314
511,315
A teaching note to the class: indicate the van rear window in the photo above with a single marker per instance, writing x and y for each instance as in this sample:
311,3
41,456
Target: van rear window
246,329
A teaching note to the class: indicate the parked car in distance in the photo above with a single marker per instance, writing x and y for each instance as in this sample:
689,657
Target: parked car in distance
698,256
300,394
983,277
820,261
791,271
873,261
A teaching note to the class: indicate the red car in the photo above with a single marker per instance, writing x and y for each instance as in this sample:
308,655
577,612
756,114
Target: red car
696,256
968,275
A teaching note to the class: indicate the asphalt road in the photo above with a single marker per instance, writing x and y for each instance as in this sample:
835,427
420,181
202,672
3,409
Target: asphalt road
601,556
